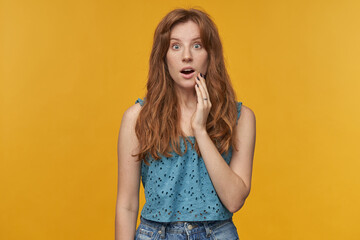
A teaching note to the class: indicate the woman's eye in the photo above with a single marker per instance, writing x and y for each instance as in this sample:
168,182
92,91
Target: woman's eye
175,46
197,45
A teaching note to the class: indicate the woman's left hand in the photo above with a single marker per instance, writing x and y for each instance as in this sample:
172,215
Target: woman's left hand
199,118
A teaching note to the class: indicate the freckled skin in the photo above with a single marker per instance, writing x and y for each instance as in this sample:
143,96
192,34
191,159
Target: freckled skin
187,50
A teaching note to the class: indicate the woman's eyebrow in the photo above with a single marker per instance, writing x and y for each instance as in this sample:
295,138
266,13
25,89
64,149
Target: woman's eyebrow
180,40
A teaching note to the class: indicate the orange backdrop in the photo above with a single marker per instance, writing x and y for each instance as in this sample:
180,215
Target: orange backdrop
69,70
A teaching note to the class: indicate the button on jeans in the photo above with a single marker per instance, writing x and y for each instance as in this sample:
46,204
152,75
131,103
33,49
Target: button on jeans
213,230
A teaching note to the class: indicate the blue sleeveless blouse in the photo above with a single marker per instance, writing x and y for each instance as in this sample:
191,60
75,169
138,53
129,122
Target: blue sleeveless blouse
179,188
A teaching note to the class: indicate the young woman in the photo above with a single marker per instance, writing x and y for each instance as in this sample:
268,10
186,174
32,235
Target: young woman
186,139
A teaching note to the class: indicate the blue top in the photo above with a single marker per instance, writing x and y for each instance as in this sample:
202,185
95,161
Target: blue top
179,188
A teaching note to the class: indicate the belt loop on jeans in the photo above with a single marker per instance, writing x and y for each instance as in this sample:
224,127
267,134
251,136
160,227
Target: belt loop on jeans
207,229
162,231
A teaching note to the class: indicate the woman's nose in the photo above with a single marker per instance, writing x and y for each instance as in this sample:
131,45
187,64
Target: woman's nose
187,59
187,56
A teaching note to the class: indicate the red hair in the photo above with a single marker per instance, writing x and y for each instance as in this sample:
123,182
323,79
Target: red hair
158,127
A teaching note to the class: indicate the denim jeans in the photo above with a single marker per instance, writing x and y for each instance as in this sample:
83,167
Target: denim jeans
213,230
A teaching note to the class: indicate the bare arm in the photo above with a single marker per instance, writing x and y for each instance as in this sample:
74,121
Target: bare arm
127,204
232,183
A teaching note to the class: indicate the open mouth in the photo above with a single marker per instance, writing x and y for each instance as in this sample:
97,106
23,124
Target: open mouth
187,71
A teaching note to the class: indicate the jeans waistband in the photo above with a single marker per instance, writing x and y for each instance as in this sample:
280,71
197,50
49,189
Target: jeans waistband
181,223
162,226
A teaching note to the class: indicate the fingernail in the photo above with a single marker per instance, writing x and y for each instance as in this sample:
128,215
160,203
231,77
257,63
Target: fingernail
197,78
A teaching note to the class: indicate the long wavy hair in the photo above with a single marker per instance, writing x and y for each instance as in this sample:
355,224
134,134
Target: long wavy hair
158,125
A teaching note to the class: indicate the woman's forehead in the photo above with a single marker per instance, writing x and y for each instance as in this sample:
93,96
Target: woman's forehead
187,30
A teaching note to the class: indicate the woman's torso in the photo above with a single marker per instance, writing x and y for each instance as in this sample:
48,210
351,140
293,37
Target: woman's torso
179,188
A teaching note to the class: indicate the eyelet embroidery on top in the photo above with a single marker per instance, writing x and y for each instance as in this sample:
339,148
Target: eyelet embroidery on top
179,188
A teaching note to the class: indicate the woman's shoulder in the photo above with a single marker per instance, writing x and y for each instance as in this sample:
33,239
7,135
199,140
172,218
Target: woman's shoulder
246,108
132,113
247,114
242,108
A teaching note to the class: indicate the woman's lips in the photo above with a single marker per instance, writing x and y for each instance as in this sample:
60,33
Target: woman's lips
188,76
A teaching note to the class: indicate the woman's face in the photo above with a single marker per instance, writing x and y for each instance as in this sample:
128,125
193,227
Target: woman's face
186,52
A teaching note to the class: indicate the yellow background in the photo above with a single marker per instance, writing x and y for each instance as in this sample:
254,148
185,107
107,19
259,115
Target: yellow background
69,70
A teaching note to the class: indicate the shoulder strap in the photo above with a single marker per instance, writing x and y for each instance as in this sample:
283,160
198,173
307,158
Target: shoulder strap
139,100
239,111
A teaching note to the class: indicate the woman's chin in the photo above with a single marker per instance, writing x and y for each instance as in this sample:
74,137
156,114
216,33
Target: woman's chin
187,86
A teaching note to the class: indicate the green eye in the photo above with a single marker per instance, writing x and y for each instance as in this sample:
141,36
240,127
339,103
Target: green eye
197,45
175,46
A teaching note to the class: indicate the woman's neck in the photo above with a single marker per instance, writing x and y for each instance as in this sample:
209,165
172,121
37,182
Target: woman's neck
187,99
